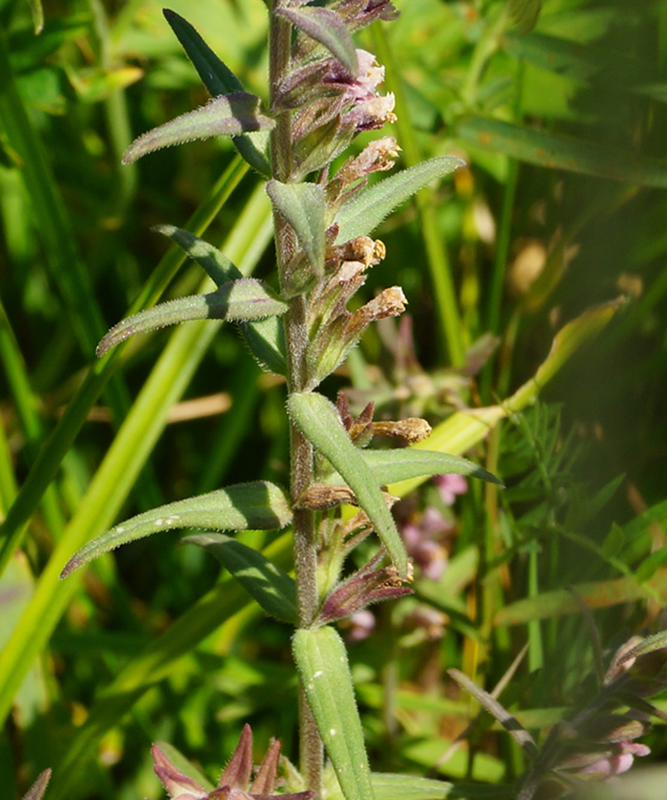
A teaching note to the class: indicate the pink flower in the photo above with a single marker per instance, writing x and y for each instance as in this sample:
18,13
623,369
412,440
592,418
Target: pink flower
449,486
617,763
361,625
421,542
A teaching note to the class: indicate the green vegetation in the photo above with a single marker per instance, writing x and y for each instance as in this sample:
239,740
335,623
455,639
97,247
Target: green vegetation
533,343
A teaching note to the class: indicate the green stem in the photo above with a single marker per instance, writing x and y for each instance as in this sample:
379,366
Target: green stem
301,451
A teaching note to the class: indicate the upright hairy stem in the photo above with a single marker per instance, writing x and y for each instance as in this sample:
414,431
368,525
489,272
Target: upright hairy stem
301,451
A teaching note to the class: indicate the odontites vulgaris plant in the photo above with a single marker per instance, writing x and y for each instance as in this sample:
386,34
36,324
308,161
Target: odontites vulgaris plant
322,93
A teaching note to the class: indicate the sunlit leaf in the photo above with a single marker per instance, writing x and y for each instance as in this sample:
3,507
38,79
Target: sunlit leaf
272,588
390,466
319,421
228,115
327,28
241,300
260,505
321,661
366,210
219,79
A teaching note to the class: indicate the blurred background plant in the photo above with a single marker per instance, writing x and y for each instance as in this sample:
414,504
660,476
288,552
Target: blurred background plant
561,208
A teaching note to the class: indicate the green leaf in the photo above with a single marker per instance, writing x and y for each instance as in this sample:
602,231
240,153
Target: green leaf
559,152
227,115
265,338
272,588
366,210
245,299
327,28
261,505
388,786
213,261
302,205
319,421
321,661
525,13
219,79
390,466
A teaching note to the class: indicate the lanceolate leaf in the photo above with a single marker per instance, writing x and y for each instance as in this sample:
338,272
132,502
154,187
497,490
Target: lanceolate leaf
216,264
302,205
319,421
245,299
261,505
228,115
321,660
388,786
367,210
327,28
559,152
391,466
265,338
272,588
219,79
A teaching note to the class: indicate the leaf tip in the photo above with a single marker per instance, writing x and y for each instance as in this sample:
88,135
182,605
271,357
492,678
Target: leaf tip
73,564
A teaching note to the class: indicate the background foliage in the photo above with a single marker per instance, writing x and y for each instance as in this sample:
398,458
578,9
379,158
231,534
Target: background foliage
562,207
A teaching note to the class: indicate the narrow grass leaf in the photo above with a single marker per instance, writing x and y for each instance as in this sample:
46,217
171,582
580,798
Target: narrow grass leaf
366,210
241,300
260,505
302,205
37,14
224,605
390,466
219,80
319,421
510,723
273,589
228,115
321,660
559,152
327,28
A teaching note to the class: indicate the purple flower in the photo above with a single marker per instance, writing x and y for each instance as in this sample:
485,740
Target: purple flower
449,486
233,783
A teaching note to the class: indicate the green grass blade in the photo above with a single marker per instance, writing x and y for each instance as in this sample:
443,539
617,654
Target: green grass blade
557,152
108,490
158,660
52,454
